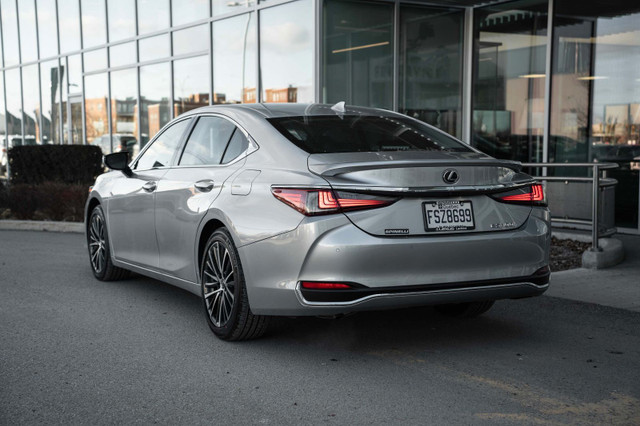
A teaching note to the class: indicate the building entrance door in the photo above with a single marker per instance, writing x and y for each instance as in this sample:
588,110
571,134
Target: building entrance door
595,98
73,121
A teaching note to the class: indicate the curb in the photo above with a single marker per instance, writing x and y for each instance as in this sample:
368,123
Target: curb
36,225
576,236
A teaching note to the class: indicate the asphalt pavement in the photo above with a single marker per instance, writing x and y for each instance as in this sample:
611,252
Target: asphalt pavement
74,350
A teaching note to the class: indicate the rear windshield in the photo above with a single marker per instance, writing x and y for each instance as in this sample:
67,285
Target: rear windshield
357,133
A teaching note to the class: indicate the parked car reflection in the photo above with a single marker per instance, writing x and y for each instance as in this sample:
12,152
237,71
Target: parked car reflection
121,143
14,140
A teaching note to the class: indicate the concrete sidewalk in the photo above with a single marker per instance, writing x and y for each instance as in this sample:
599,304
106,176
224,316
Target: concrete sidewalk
41,225
618,286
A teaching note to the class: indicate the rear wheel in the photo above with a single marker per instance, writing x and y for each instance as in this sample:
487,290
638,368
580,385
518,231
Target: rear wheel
224,291
99,249
465,310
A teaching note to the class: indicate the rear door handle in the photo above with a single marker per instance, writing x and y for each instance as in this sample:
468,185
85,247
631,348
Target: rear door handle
204,185
150,186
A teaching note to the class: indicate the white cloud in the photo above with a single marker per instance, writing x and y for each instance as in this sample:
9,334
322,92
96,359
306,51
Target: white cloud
285,38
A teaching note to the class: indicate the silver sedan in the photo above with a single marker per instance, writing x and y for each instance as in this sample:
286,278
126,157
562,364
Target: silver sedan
289,209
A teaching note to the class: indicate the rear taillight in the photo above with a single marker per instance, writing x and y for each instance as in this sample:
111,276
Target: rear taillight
531,195
311,202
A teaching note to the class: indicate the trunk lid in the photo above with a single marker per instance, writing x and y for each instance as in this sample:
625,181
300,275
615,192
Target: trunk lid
418,180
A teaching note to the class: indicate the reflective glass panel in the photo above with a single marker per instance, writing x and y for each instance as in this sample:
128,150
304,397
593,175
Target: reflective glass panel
72,100
3,139
595,99
124,111
190,11
207,142
69,19
153,15
220,7
369,133
95,60
122,54
155,95
509,79
95,105
430,72
31,103
190,40
358,53
76,122
154,47
9,32
161,152
14,106
286,43
237,145
74,74
28,37
190,84
122,19
234,60
94,31
50,83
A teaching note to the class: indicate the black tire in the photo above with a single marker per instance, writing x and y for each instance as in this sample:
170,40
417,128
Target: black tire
465,310
99,249
224,291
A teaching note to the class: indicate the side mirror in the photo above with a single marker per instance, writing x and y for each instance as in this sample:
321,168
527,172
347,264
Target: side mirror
118,161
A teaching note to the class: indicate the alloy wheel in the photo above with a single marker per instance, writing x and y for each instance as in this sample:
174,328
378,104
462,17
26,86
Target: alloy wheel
97,243
219,283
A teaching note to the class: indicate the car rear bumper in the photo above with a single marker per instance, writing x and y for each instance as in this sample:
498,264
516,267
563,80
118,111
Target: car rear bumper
351,297
393,271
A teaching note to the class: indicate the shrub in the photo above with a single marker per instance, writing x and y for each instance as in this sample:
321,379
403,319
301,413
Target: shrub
71,164
3,196
63,202
49,201
22,201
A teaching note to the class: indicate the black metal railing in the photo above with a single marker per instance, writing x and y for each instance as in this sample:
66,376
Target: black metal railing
598,182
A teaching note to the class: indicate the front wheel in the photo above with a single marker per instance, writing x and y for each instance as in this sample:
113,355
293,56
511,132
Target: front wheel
99,249
465,310
224,291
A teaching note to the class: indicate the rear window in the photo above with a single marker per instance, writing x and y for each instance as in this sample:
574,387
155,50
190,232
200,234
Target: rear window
356,133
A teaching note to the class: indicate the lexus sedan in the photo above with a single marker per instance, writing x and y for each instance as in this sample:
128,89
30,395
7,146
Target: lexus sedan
290,209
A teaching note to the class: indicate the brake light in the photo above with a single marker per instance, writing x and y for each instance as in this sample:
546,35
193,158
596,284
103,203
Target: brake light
533,194
311,202
324,286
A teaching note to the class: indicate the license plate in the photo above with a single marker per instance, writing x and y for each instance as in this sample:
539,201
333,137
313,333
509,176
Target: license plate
448,215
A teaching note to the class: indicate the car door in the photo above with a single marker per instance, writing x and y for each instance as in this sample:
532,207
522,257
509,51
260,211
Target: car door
130,208
212,153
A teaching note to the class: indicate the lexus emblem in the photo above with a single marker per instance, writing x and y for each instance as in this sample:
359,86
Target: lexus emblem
450,176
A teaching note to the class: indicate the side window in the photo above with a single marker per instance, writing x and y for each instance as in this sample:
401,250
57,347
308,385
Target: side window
237,146
207,142
160,153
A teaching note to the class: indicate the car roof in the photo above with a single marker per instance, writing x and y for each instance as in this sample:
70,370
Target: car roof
273,110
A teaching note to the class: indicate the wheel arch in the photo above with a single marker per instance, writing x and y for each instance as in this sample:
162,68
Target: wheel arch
211,226
91,204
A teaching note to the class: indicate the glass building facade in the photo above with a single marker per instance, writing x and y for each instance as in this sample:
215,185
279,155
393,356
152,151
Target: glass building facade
529,80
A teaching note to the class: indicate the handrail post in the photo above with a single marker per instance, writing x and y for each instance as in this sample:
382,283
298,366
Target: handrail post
595,198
